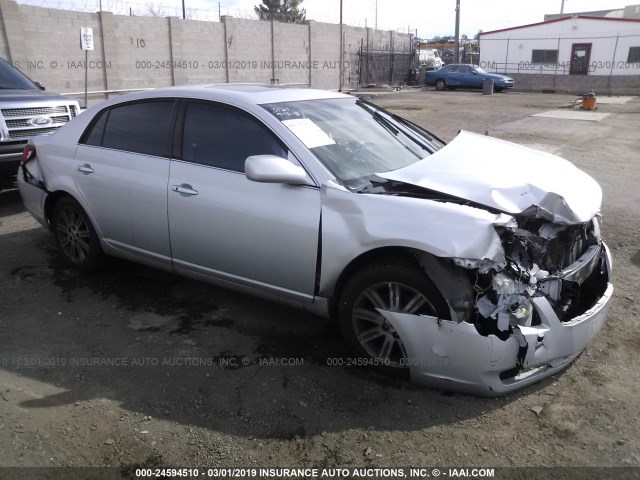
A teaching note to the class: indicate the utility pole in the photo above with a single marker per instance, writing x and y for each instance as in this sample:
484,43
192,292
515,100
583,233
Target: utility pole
456,44
341,50
184,13
376,14
562,7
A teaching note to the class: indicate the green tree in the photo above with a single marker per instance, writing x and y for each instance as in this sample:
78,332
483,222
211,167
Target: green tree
287,11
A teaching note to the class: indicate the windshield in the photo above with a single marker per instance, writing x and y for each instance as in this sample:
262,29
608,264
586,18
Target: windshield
13,79
355,139
480,70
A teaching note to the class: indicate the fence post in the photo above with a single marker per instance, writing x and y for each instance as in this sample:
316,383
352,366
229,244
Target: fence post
226,47
613,62
104,53
273,55
173,77
506,56
310,58
390,57
360,61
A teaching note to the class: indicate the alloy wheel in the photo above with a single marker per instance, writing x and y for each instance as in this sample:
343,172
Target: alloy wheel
73,234
376,336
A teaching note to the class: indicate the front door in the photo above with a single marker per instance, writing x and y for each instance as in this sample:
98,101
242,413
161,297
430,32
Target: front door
226,226
580,55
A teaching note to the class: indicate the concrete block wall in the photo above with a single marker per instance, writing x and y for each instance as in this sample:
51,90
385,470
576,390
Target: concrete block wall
198,52
149,52
325,55
248,48
292,60
578,84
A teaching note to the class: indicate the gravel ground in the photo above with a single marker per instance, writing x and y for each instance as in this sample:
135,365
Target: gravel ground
202,377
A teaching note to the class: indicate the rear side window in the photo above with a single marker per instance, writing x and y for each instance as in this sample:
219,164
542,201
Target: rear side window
135,127
224,138
94,136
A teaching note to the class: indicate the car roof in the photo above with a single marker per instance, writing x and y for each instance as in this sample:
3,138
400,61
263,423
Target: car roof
237,93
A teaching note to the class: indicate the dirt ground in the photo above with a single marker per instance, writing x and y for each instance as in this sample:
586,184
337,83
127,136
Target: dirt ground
203,377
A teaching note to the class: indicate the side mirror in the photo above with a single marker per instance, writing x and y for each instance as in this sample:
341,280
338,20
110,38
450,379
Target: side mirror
39,85
273,169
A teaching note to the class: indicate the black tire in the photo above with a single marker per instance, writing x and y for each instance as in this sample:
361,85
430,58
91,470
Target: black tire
366,332
75,235
441,84
497,89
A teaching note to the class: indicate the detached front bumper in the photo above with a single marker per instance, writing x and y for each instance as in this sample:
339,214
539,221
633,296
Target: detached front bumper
454,356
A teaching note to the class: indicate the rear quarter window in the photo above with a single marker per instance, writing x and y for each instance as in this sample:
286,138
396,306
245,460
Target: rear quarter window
142,127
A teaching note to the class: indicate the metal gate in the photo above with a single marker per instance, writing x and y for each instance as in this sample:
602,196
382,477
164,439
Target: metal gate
383,66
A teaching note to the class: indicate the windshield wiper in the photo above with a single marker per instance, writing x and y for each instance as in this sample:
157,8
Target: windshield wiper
385,123
375,185
409,123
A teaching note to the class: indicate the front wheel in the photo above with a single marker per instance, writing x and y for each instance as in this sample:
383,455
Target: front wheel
396,286
75,235
441,84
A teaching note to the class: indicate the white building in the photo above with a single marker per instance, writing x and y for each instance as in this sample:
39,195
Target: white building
578,45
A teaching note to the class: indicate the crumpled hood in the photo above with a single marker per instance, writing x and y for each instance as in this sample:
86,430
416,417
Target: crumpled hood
509,177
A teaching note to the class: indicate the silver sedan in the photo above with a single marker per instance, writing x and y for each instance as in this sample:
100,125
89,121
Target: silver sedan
476,266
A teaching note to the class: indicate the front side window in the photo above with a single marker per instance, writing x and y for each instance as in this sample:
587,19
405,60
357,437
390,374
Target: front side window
355,139
135,127
224,137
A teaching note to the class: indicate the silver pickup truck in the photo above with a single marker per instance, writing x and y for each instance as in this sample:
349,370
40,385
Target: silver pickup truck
26,111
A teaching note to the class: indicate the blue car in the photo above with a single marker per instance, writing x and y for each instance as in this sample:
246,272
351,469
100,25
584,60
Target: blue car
459,75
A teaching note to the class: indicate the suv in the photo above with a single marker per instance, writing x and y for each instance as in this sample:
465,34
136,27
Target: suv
26,111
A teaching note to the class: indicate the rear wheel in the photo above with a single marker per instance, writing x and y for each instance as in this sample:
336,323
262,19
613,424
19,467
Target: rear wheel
75,235
396,286
441,84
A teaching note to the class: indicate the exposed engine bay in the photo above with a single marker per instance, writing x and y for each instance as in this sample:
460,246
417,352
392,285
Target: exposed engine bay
563,263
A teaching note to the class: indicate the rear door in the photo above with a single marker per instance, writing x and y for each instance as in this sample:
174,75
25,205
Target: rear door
122,169
226,226
454,76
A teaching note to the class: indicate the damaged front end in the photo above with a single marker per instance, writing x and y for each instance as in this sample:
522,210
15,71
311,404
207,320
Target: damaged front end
529,314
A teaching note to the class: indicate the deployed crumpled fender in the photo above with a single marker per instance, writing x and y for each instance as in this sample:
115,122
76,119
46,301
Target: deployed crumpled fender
370,221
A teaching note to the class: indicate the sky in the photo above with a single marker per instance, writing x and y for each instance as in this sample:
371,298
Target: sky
433,17
428,17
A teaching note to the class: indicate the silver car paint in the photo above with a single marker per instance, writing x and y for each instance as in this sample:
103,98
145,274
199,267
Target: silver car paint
128,193
467,168
352,224
276,244
355,224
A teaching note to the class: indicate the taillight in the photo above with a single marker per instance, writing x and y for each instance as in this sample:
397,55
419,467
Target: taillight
28,154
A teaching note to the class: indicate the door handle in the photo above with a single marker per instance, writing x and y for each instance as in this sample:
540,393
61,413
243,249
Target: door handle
184,189
86,168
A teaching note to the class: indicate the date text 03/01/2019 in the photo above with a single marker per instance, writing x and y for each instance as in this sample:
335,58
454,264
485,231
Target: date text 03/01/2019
311,472
237,65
